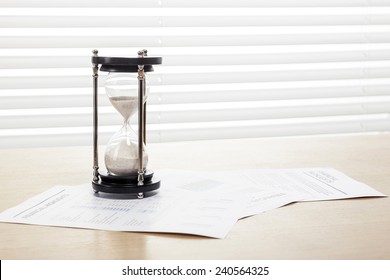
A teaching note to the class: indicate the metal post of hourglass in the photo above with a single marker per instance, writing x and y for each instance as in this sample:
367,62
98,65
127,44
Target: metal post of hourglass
95,68
141,122
143,182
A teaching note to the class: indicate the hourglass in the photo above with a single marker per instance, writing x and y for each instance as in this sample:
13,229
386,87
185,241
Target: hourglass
125,157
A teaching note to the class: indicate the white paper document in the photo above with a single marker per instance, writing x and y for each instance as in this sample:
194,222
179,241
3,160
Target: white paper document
189,202
256,199
167,211
310,183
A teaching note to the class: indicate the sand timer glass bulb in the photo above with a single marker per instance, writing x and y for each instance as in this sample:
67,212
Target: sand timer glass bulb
121,157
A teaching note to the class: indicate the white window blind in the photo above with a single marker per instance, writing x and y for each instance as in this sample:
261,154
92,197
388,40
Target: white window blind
231,69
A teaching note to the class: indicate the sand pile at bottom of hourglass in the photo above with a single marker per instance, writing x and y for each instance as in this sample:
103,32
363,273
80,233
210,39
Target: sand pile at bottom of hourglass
121,159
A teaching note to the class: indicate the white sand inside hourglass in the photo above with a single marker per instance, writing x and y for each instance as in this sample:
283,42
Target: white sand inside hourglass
121,156
125,105
122,159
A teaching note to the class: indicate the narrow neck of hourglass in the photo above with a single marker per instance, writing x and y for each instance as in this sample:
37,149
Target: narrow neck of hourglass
126,122
127,127
128,131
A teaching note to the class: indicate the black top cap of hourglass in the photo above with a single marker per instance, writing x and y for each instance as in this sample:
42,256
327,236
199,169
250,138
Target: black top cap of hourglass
124,68
126,64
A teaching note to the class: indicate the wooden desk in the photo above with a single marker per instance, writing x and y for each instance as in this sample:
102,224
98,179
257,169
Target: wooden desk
349,229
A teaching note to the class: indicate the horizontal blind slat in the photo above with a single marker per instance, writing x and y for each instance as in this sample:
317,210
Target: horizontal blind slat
25,62
198,51
247,130
203,78
194,21
78,3
213,78
177,97
193,31
275,3
81,97
191,4
184,113
192,41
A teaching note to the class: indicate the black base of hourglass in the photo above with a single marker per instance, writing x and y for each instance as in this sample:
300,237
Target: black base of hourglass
125,184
